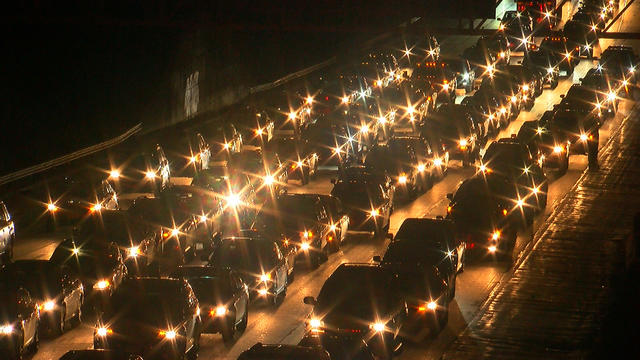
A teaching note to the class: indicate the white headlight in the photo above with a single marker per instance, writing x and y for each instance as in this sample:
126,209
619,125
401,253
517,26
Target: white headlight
103,331
48,306
221,311
134,251
377,327
432,305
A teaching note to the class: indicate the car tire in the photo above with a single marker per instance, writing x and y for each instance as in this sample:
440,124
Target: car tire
18,346
245,319
193,353
60,320
305,177
35,343
229,331
77,319
314,260
554,84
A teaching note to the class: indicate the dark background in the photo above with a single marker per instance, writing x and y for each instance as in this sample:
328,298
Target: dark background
76,73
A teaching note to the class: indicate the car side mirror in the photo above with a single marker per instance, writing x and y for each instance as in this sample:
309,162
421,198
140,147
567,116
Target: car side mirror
499,19
377,259
333,181
309,300
450,196
520,62
561,96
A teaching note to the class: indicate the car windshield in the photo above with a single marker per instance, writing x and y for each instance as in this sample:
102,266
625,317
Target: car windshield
245,255
357,194
449,123
409,252
473,204
133,303
108,227
359,293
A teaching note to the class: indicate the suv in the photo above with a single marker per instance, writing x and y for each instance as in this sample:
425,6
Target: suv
620,62
453,127
568,57
437,76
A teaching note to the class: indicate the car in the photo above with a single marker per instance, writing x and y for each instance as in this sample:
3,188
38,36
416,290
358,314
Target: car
480,58
581,36
133,322
544,63
98,264
369,205
529,83
537,137
600,81
361,172
430,165
541,11
142,169
424,258
400,161
223,135
483,221
498,46
511,159
258,261
577,134
486,109
19,321
187,152
7,234
303,220
465,73
452,127
223,299
620,63
297,155
358,302
517,27
332,142
261,351
76,196
253,126
377,63
508,89
338,219
436,78
135,239
268,172
99,355
566,57
56,289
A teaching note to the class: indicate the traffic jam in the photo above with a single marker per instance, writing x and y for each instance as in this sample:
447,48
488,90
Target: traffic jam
193,232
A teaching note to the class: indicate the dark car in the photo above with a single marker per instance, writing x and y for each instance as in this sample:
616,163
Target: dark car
577,134
529,83
332,142
261,351
508,88
358,302
265,168
485,111
439,77
338,220
544,63
98,263
480,58
135,239
223,135
99,355
77,196
498,46
566,58
154,317
7,234
19,321
399,160
369,205
537,137
511,159
187,152
144,170
424,257
453,127
303,220
482,220
57,291
431,165
258,261
621,63
223,297
297,155
517,26
581,37
361,172
465,73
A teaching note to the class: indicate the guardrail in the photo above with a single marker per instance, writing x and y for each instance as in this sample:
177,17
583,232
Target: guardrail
69,157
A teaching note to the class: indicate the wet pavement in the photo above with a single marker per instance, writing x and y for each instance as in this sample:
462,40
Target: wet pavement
555,300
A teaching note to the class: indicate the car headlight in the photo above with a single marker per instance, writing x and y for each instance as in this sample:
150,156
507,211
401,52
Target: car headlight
315,323
421,168
134,251
463,143
374,213
402,179
103,331
445,86
558,149
6,329
437,162
496,235
47,306
168,334
611,96
465,76
101,285
219,311
525,87
265,277
514,98
583,137
550,70
492,248
432,305
51,207
263,292
150,174
377,326
304,246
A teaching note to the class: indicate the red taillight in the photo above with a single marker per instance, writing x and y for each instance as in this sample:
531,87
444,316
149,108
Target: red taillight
470,245
326,98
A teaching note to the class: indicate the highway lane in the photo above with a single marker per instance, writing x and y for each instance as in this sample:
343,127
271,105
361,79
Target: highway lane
285,324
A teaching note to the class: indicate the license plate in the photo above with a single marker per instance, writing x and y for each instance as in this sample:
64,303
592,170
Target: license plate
199,246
